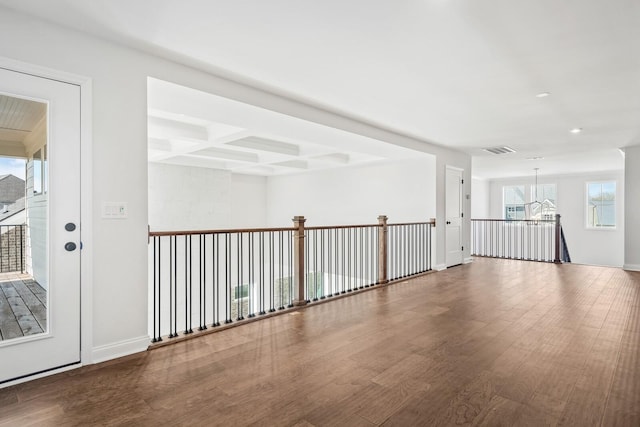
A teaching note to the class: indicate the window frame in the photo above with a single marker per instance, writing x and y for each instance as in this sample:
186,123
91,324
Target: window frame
39,163
615,206
532,196
237,289
504,204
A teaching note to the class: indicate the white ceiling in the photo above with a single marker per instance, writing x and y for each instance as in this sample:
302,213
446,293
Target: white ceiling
18,118
463,74
192,128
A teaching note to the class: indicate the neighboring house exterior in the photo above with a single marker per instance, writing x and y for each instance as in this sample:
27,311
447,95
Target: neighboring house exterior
12,213
11,189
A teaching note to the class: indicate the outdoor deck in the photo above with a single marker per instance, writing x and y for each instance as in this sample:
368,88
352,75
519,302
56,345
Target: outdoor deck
23,306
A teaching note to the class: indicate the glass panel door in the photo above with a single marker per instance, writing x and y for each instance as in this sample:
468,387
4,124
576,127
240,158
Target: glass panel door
39,226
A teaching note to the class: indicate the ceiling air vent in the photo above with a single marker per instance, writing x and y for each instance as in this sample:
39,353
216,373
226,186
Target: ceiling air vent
500,150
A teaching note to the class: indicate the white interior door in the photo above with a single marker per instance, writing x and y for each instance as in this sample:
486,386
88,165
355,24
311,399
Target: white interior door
56,249
454,215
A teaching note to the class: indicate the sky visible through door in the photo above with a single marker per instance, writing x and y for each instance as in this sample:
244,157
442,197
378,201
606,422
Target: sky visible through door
12,166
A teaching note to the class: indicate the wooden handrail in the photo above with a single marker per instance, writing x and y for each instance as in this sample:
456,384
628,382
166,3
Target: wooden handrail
223,231
259,271
432,222
514,220
262,230
330,227
525,239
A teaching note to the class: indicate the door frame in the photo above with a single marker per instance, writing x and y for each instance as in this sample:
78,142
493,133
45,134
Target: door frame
86,203
462,207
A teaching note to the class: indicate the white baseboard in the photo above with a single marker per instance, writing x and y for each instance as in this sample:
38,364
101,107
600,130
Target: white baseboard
631,267
467,260
40,375
439,267
119,349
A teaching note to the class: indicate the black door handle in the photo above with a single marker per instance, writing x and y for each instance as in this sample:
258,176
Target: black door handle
70,246
448,222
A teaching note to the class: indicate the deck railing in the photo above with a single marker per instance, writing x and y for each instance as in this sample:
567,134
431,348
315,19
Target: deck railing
530,240
210,278
12,248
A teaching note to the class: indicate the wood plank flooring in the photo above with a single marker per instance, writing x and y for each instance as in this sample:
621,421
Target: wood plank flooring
495,342
23,306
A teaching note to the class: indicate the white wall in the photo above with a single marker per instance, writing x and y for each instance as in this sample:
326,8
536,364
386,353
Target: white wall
402,190
632,208
188,198
36,240
193,198
115,252
480,198
248,201
36,209
412,190
586,246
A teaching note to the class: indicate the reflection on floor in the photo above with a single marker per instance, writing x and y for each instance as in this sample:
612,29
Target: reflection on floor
491,343
23,306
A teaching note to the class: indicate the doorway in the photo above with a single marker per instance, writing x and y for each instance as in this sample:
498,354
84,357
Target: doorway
40,296
453,213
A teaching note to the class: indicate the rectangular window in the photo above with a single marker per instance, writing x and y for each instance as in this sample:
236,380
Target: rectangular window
40,171
37,172
240,292
45,170
601,204
543,200
513,201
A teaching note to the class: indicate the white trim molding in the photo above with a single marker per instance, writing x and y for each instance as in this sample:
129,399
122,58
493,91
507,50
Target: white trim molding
467,260
631,267
114,350
86,190
40,375
439,267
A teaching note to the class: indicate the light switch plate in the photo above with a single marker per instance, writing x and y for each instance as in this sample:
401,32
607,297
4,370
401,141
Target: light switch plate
114,210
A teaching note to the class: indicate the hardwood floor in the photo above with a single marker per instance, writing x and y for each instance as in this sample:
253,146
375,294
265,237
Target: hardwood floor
495,342
23,306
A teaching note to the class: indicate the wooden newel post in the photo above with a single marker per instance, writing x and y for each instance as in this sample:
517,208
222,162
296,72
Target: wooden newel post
382,250
298,262
556,258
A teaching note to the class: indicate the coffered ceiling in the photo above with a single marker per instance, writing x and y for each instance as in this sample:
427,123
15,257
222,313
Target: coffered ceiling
192,128
220,146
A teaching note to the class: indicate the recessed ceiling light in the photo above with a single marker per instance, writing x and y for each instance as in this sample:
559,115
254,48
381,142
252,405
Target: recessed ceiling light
576,130
543,95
